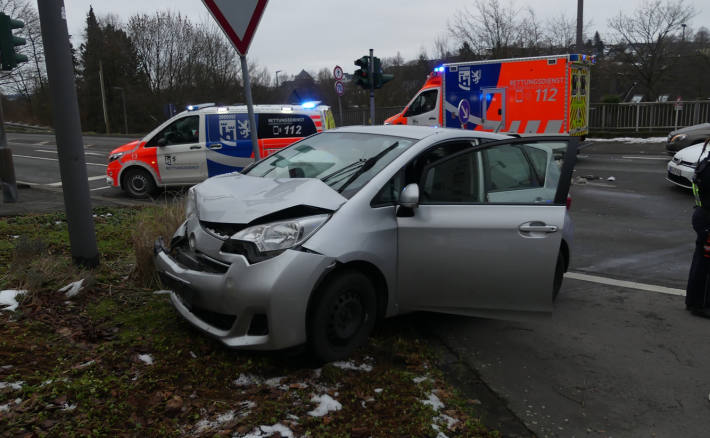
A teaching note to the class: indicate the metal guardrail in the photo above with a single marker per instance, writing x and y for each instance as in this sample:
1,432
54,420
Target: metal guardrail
636,117
647,115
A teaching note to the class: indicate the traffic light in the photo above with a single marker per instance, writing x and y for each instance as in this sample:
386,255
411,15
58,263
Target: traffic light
379,78
362,75
8,56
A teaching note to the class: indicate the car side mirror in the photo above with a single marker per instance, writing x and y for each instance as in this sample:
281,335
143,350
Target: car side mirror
409,198
162,141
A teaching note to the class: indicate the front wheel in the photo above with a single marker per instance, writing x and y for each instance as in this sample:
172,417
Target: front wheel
138,183
342,317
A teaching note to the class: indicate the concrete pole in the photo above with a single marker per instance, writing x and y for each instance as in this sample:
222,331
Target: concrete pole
67,128
7,168
250,108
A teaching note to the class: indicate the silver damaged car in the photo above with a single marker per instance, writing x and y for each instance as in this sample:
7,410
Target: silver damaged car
314,244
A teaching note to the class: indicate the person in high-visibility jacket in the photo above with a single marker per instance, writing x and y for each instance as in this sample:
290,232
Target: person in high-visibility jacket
697,296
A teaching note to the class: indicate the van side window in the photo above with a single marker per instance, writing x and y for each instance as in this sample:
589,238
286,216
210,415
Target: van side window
425,102
277,125
181,131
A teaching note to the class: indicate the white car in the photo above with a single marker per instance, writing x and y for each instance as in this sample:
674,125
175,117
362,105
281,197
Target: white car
682,166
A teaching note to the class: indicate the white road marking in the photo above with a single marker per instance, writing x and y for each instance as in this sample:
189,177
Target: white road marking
91,178
96,154
55,159
100,188
42,143
28,183
648,158
627,284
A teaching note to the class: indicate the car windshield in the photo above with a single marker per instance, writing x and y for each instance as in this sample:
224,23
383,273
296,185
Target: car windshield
343,160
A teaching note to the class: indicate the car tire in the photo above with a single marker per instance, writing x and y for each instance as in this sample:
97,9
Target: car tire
138,183
342,316
559,274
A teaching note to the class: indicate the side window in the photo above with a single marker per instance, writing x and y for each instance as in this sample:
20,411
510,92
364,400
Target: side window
181,131
574,85
453,180
583,80
522,173
284,125
425,102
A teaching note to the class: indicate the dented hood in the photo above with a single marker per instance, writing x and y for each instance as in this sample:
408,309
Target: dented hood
239,199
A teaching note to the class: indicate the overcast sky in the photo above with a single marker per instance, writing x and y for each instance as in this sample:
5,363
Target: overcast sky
315,34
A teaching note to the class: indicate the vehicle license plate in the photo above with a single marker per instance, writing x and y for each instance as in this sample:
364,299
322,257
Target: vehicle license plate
674,170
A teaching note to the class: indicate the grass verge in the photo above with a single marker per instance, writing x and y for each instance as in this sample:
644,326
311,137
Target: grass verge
116,360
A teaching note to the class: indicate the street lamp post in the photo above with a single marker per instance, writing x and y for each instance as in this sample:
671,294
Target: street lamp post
125,115
277,78
683,25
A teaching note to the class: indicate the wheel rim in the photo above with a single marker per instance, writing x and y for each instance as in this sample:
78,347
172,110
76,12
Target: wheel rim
346,316
138,183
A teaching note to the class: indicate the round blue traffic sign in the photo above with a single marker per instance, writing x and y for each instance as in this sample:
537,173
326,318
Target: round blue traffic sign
339,88
464,110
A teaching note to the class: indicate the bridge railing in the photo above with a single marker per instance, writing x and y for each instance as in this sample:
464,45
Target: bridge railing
602,116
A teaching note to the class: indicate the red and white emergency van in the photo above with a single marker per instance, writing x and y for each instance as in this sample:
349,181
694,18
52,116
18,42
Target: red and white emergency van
207,140
540,95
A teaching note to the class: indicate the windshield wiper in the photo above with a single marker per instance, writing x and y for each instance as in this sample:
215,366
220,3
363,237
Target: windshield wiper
344,169
367,165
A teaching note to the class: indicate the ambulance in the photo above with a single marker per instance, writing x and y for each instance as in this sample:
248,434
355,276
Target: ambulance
540,95
207,140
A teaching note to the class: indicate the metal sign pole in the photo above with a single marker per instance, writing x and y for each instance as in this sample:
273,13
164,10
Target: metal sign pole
372,87
250,107
340,110
67,128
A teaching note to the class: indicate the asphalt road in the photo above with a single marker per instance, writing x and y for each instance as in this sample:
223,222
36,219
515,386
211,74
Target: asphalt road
613,360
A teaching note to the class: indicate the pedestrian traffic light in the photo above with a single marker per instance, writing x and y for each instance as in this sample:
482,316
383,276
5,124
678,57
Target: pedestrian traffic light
379,77
362,75
8,56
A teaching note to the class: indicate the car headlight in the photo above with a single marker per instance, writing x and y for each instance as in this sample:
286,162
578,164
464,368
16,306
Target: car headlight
116,156
260,242
190,204
678,137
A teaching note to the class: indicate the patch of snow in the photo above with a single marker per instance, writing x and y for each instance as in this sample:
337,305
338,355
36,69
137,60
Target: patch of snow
266,431
244,410
273,382
5,367
433,401
350,365
162,292
5,407
630,140
378,390
292,417
12,385
419,380
46,382
58,223
450,421
247,380
72,289
85,364
8,299
147,358
611,178
68,407
16,236
317,373
193,355
325,404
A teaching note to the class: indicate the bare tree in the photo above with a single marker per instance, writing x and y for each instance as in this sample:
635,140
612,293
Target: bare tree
531,34
646,34
491,27
26,77
561,31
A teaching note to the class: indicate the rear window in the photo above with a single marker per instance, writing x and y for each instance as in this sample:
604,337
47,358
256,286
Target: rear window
278,125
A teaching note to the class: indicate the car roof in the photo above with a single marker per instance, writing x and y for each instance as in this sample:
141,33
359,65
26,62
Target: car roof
419,132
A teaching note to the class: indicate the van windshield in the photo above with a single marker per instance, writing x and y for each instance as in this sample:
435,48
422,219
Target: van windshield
345,161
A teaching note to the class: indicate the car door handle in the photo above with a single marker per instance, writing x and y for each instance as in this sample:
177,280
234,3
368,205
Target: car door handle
214,146
537,227
195,147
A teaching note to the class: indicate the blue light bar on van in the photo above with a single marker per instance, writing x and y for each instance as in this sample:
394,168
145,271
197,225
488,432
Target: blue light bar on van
310,105
439,69
199,106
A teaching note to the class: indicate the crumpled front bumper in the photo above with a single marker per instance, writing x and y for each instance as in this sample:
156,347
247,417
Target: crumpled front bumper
258,306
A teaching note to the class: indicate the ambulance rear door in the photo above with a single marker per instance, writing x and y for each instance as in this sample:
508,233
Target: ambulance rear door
179,151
